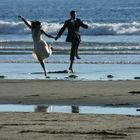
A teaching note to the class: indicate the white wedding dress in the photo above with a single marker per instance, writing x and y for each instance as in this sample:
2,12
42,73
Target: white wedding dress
41,50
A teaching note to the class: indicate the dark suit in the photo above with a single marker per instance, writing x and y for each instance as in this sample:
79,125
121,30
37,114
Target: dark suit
73,34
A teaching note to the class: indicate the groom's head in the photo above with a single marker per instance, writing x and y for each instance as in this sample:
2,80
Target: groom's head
73,14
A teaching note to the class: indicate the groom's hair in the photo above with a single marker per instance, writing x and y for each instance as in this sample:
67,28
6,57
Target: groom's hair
72,12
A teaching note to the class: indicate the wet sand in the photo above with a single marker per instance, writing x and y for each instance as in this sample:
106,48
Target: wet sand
61,126
68,92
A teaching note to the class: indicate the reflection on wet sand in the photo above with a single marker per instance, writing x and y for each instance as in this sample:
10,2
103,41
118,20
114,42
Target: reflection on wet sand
75,109
45,108
126,110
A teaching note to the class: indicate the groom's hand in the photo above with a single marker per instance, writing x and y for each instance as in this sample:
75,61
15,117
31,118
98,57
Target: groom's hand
56,37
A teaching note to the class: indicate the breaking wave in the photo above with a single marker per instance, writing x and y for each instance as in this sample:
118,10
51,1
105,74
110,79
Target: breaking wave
133,28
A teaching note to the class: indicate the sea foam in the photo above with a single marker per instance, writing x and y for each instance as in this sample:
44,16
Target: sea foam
133,28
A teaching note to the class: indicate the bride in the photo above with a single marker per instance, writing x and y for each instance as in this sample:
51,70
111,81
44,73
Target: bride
41,49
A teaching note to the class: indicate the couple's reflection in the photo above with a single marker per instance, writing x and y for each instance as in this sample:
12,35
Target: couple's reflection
45,108
74,109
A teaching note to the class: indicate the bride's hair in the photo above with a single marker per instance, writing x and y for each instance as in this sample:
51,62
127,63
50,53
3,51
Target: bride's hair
35,24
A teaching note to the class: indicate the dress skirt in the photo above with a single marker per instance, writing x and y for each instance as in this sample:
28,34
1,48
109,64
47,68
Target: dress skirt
41,50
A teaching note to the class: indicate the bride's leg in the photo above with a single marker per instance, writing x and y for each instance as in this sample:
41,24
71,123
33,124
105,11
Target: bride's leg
42,64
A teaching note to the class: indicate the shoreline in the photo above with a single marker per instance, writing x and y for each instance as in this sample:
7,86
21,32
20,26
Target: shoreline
84,72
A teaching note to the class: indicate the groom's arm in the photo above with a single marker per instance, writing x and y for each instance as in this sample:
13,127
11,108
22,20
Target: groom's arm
61,30
83,24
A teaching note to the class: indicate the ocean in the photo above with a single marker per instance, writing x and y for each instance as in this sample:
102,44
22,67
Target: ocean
112,39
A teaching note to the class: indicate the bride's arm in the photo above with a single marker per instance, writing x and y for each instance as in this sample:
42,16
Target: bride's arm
25,21
48,35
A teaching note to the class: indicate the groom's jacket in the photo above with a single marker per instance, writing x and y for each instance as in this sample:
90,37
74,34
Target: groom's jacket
73,30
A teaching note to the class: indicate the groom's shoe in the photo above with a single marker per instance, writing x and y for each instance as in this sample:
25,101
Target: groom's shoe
78,57
71,70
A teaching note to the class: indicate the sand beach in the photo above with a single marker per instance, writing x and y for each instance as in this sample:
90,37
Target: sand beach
61,126
70,92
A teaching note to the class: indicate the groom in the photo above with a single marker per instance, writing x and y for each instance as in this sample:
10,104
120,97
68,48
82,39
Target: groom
73,24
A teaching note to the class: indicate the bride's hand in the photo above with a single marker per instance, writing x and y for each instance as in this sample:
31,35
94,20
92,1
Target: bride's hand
20,17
